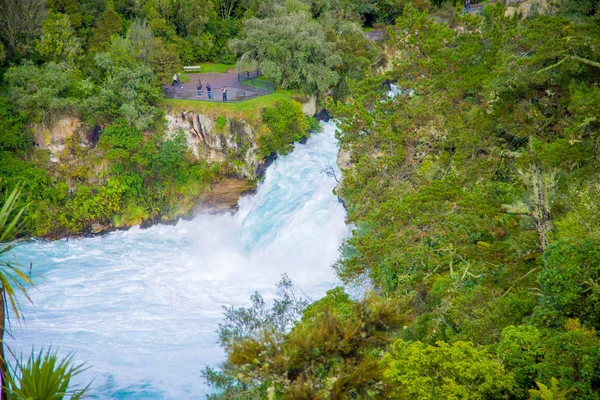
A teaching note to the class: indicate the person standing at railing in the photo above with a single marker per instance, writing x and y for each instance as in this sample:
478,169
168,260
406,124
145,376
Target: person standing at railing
199,87
174,80
224,90
209,90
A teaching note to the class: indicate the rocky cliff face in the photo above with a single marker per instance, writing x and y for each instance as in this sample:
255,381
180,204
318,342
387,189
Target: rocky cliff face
216,140
220,140
527,8
53,137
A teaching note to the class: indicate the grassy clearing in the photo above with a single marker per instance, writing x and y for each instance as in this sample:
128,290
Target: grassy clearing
206,68
249,110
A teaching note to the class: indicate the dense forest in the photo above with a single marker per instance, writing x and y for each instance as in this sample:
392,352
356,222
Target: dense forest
471,184
472,187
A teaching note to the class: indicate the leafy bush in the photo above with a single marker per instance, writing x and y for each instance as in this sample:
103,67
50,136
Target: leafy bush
15,138
287,124
457,370
220,122
570,268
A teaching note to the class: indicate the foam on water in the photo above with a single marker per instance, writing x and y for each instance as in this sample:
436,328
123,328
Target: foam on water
141,306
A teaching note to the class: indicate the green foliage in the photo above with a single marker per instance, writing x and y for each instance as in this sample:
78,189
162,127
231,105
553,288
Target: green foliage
40,91
578,7
220,122
336,301
45,376
291,50
554,392
332,353
567,280
521,348
58,43
472,187
287,124
540,355
126,92
20,26
128,179
15,137
107,25
444,371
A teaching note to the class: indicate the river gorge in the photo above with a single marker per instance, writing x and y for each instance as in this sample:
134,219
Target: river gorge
141,307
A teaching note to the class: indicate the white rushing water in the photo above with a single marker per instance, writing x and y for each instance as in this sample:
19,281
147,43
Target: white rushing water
141,307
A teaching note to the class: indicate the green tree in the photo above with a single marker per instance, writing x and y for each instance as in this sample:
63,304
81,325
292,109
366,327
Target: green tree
333,353
164,60
287,124
58,43
41,92
568,286
15,138
127,90
291,49
20,25
107,25
521,348
578,7
458,371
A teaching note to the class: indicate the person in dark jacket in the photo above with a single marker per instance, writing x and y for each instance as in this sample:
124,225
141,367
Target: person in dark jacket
209,90
199,87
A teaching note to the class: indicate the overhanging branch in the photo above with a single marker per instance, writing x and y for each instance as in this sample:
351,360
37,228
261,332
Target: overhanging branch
575,58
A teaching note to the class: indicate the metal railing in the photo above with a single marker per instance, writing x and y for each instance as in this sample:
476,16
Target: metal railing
251,79
193,94
243,76
262,86
249,87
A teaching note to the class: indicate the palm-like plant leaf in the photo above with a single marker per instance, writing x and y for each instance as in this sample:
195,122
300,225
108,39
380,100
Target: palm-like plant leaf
13,279
45,376
9,223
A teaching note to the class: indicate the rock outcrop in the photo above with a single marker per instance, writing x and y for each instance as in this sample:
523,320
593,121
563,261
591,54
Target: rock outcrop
527,8
53,137
219,140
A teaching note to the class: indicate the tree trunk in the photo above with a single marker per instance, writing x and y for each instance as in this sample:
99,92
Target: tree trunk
541,206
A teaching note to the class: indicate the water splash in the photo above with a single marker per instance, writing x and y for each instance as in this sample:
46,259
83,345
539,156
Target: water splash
141,306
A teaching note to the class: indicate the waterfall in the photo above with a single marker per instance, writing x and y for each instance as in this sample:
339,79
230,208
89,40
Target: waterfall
141,307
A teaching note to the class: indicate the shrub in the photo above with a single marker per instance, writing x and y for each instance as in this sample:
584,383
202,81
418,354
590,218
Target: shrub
287,124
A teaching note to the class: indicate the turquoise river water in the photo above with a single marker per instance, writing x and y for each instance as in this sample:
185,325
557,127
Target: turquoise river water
141,307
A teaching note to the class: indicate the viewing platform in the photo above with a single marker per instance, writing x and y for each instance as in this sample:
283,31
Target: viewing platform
241,86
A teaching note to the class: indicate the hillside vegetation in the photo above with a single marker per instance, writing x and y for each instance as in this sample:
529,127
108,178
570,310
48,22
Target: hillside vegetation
472,185
473,190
